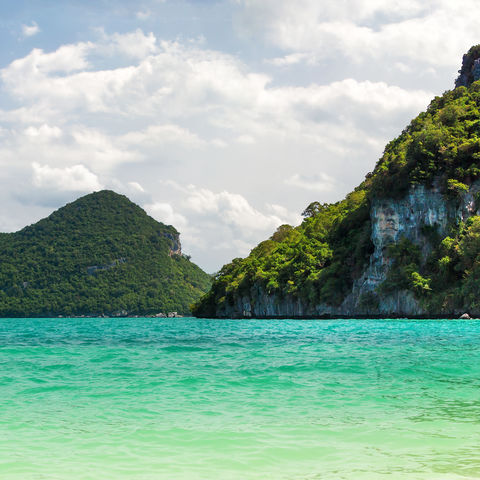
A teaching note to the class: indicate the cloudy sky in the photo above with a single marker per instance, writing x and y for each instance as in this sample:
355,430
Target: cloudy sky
222,118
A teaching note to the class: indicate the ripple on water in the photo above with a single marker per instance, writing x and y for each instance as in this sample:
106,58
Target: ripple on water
203,399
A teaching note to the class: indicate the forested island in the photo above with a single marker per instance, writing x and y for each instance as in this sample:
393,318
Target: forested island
405,242
99,255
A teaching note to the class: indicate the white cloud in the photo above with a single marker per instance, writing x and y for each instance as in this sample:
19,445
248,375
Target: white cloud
241,246
38,64
318,182
143,14
30,30
284,214
63,147
293,59
136,186
99,149
246,139
432,31
376,97
76,178
219,143
156,135
52,81
402,67
135,45
232,208
179,83
44,132
164,212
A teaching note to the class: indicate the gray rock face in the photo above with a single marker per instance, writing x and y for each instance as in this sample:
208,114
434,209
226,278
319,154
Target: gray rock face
470,71
393,220
410,217
175,245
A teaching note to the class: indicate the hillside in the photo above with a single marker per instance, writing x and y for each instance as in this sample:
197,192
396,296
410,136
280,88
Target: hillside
405,242
100,254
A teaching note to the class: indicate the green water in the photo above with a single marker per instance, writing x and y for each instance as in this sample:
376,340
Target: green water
199,399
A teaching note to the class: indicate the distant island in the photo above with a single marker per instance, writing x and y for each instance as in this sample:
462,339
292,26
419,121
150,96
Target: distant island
405,242
99,255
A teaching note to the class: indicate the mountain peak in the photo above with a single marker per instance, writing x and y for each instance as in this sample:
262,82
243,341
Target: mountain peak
470,71
102,211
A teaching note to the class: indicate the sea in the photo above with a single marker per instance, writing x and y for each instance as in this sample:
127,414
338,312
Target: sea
144,398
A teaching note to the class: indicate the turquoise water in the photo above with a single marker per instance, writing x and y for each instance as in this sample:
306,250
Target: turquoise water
201,399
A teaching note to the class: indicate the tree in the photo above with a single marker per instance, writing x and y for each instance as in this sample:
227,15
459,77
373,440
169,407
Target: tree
313,209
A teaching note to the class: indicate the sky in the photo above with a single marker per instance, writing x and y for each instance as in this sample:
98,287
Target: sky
225,118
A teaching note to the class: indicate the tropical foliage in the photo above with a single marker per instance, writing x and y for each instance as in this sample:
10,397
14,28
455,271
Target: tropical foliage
101,254
441,145
316,261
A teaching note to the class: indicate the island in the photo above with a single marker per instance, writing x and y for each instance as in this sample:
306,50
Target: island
404,243
100,255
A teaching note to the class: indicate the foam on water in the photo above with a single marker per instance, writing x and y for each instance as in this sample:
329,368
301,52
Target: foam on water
203,399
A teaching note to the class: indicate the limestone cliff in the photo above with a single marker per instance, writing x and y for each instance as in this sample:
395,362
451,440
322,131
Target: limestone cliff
421,210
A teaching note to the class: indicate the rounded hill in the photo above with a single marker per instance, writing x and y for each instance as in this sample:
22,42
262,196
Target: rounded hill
99,255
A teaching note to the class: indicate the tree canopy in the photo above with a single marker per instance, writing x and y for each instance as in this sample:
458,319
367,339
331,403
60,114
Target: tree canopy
100,254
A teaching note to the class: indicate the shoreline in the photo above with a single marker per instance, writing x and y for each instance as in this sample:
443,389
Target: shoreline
297,317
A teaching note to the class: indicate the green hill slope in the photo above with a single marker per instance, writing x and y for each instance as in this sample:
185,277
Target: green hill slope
405,242
100,254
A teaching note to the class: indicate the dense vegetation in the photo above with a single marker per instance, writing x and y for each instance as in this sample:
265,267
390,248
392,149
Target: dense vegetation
101,254
316,261
441,144
448,279
319,260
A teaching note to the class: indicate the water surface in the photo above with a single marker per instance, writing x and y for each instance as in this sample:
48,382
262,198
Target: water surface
203,399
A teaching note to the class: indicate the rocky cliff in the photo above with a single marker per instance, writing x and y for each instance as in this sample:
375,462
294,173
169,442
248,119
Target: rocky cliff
406,242
421,211
470,71
412,217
